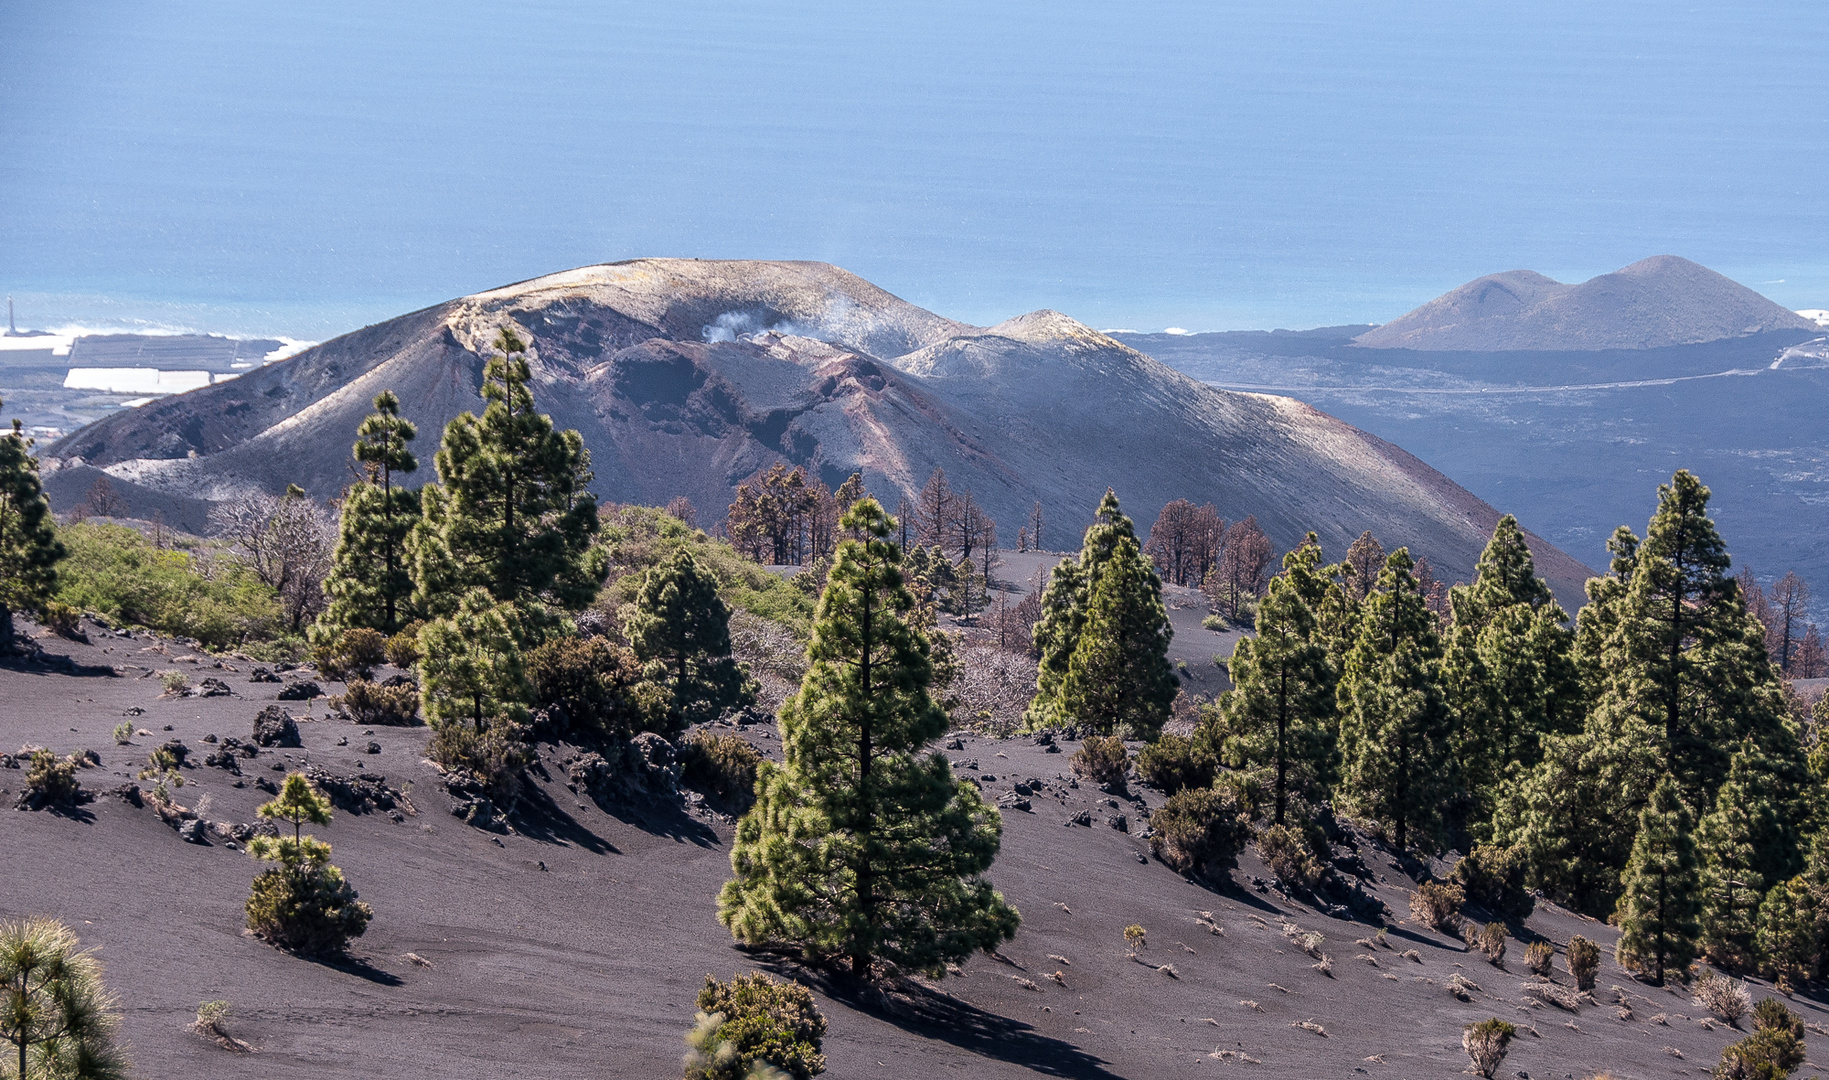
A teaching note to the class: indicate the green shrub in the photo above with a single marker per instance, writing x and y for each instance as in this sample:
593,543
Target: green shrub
1486,1043
50,781
1246,788
1173,762
754,1019
1437,906
1288,855
1493,877
596,682
1584,961
118,573
123,732
1215,621
1537,957
368,703
1198,832
641,537
1772,1052
174,682
403,648
354,652
313,912
63,619
1103,760
497,757
723,767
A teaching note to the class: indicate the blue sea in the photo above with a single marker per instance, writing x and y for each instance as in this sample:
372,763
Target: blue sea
299,170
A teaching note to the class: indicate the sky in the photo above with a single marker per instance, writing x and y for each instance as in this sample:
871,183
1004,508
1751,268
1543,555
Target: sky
303,170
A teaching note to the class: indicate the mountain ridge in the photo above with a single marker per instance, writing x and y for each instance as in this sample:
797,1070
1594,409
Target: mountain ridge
685,376
1656,302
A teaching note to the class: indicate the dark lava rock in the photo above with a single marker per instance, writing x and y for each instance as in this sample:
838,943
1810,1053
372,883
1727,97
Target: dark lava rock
1016,804
955,744
1083,818
129,794
1023,789
266,784
400,680
300,691
359,794
180,753
210,687
1052,749
1119,822
223,757
643,768
262,675
192,832
372,748
275,727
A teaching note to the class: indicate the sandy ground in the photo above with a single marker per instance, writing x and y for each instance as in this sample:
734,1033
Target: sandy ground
574,946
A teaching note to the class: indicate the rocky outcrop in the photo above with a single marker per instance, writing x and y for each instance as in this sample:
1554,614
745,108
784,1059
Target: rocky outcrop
275,727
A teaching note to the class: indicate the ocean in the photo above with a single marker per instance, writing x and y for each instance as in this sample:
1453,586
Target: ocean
296,171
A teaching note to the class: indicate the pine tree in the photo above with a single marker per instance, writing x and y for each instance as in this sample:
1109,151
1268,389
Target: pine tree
682,626
860,847
1659,925
56,1015
304,903
371,581
471,670
1508,667
1283,683
1119,678
512,512
1395,725
29,548
1731,840
1133,613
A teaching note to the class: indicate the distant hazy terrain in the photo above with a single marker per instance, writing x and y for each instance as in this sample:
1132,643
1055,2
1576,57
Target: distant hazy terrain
1576,442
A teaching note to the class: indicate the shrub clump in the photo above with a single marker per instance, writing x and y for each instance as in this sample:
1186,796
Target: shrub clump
1174,762
1286,852
1486,1043
1198,832
597,683
50,781
723,767
356,652
1537,957
1493,877
1584,961
1727,998
1771,1052
1103,760
496,757
370,703
403,648
754,1026
1491,943
1437,906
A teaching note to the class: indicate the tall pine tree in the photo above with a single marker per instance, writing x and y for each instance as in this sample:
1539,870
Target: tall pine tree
860,846
1508,669
1283,681
371,582
1395,725
1131,642
29,548
1659,924
683,628
512,512
1738,842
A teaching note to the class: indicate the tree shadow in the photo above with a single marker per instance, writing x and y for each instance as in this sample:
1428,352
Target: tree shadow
538,817
932,1014
659,818
359,967
39,663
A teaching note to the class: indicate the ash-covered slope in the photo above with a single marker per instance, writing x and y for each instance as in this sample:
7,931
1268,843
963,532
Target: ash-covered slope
1655,302
686,376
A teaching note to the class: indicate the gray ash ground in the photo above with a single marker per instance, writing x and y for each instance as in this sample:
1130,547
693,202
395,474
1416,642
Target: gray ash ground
574,944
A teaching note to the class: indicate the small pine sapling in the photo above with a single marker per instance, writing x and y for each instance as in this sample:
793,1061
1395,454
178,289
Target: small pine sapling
303,904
